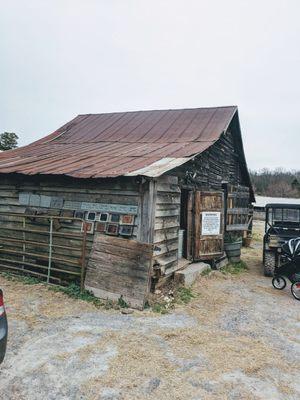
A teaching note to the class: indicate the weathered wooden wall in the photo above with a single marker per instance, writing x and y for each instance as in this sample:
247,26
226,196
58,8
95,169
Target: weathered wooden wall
111,191
167,223
158,200
219,163
120,191
119,268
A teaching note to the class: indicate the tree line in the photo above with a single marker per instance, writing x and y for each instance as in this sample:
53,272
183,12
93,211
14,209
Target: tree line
276,183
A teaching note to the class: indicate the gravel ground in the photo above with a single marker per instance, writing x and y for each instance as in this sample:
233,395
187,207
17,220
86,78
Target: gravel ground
237,339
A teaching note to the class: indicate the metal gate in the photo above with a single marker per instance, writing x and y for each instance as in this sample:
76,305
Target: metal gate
50,247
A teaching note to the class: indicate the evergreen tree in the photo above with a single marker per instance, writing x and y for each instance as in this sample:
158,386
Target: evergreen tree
8,141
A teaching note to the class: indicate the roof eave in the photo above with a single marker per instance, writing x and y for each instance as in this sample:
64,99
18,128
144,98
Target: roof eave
159,167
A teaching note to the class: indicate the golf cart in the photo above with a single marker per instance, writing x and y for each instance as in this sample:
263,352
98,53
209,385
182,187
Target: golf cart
282,224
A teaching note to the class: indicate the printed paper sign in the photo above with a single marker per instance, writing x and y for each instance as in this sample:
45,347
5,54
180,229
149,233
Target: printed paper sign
211,223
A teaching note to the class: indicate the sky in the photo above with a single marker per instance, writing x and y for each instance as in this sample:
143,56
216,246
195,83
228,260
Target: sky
60,58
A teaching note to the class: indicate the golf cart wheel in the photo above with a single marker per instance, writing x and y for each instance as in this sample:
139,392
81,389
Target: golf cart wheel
279,282
269,263
295,289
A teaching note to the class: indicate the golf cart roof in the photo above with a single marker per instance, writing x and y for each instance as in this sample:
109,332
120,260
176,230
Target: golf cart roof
282,205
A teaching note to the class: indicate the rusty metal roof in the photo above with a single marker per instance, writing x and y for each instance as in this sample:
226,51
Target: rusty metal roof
126,143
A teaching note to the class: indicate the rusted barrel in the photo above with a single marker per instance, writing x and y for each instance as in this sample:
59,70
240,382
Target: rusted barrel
233,251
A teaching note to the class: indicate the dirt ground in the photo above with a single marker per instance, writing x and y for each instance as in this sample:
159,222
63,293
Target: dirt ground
237,339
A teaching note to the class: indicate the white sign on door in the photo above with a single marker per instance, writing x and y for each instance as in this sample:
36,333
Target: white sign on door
211,223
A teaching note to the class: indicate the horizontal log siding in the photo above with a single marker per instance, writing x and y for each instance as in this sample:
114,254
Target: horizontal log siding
116,191
219,163
167,222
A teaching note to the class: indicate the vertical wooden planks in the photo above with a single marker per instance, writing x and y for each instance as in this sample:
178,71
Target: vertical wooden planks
208,246
190,226
238,200
119,268
167,223
148,192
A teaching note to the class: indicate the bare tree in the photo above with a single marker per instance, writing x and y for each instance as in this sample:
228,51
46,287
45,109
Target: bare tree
276,183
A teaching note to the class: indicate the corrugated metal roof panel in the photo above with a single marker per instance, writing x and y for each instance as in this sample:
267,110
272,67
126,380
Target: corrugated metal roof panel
128,143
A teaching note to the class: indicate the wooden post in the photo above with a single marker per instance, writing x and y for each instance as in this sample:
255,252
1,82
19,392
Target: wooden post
147,211
24,239
83,253
50,249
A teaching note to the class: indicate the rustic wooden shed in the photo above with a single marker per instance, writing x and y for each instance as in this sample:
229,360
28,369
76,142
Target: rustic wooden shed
117,200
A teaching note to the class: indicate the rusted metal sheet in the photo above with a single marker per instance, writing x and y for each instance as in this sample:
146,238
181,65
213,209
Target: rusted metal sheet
115,144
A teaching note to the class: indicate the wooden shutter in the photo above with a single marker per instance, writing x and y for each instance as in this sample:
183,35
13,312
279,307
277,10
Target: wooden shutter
208,239
237,218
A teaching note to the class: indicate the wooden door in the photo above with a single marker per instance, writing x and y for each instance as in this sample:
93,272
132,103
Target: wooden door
208,225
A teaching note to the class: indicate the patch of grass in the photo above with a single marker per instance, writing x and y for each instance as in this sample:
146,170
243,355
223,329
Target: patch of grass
122,303
108,304
160,308
257,237
26,279
167,302
234,268
74,292
206,272
147,305
30,280
184,295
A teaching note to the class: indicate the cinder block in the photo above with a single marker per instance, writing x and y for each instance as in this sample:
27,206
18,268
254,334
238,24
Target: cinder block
188,275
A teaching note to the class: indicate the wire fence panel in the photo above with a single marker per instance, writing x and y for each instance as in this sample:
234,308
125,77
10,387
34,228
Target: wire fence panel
54,248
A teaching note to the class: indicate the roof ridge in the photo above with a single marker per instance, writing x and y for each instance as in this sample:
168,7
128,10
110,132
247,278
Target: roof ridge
162,109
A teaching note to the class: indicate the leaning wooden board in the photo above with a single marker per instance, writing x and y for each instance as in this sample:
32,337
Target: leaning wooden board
119,267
